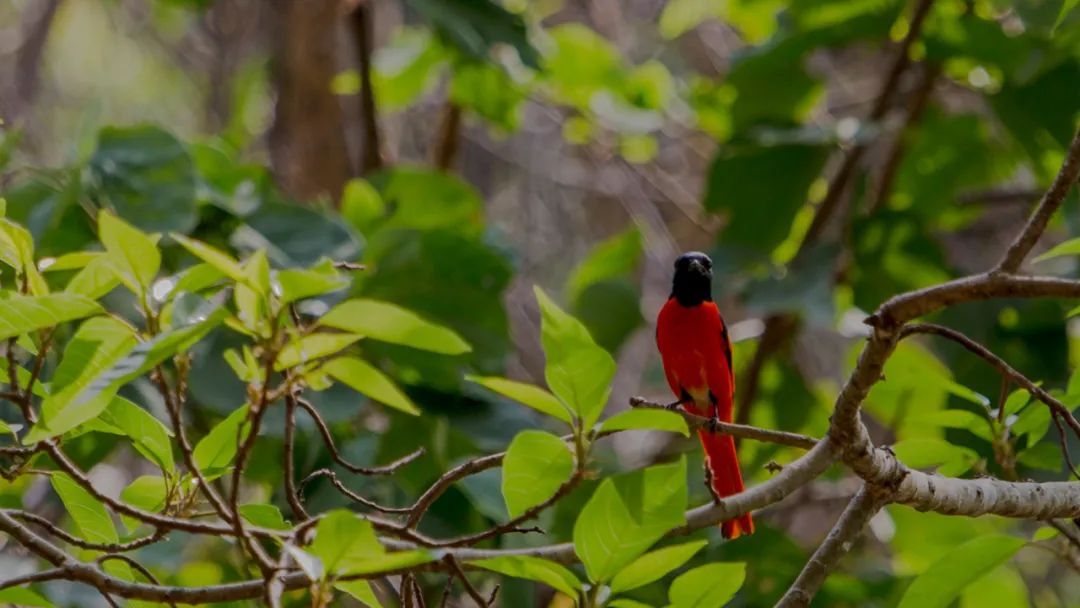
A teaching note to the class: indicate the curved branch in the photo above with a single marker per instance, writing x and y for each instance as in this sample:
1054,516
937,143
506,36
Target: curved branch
328,439
1057,408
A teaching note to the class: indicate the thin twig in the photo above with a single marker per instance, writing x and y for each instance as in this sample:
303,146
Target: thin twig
735,430
1051,200
1056,407
455,567
328,439
141,569
288,460
349,493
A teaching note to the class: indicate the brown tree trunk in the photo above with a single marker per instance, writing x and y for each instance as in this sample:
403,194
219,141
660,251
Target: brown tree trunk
307,140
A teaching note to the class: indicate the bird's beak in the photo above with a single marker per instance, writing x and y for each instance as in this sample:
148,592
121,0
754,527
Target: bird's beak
698,267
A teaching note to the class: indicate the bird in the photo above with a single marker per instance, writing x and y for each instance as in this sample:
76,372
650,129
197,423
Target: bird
696,353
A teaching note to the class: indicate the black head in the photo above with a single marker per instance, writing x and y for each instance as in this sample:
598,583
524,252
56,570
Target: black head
692,284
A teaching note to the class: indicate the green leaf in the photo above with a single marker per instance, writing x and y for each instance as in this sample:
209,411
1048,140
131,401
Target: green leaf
707,586
616,257
387,562
1069,247
149,436
98,278
146,175
679,16
93,393
361,204
146,492
265,516
97,345
627,603
654,566
365,378
626,515
537,464
1044,455
943,581
1033,421
646,420
742,183
474,26
89,515
21,596
527,394
390,323
537,569
343,539
17,250
924,453
23,314
1002,586
404,69
69,261
578,371
311,348
962,419
216,450
197,278
134,254
302,284
361,591
221,261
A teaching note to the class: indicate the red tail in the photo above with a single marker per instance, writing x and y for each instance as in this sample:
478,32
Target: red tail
725,478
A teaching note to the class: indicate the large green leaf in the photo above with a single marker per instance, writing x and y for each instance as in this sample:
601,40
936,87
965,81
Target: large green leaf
707,586
615,257
527,394
215,452
578,371
23,314
474,26
943,581
365,378
654,566
146,175
536,465
98,345
361,590
342,539
89,515
626,515
538,569
390,323
133,253
23,596
299,284
96,279
149,436
106,374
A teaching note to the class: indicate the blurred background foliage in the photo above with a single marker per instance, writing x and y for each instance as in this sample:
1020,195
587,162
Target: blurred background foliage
580,145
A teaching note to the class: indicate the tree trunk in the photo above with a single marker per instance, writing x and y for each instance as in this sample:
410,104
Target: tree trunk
307,140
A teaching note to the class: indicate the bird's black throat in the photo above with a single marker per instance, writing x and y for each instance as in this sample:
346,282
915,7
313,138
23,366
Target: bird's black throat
692,284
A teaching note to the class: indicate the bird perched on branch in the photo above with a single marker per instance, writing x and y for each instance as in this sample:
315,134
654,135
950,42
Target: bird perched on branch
696,351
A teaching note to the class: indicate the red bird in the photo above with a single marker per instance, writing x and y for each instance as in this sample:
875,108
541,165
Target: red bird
696,351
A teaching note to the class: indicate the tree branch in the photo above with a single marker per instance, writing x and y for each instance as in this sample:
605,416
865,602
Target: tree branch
1054,197
863,506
